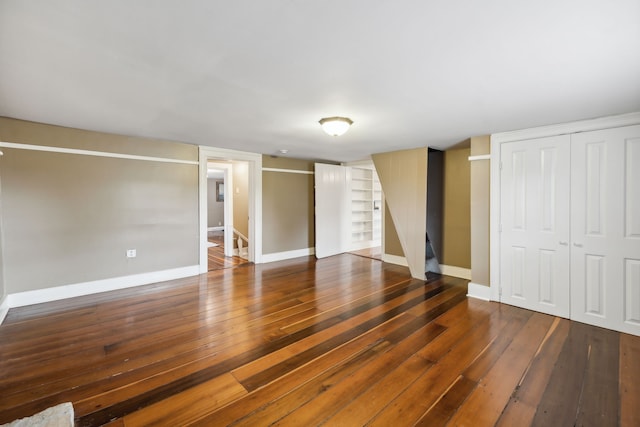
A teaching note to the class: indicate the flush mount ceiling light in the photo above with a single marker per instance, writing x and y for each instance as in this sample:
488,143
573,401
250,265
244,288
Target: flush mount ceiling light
335,126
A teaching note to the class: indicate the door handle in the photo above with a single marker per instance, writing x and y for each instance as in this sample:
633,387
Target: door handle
563,243
577,245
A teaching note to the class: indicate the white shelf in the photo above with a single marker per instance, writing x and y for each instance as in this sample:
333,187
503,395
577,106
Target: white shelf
366,193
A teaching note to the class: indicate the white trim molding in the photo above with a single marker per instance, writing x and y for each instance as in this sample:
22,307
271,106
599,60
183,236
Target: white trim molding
608,122
207,153
452,270
479,157
4,308
38,296
395,259
93,153
281,256
479,291
219,228
287,171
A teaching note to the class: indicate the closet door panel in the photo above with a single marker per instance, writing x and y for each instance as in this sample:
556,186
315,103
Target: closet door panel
605,253
632,291
534,216
632,190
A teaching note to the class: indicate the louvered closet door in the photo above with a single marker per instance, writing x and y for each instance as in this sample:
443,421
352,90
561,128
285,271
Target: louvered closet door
534,215
605,228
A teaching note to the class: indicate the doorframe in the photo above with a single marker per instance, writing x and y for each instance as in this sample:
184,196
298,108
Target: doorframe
254,161
498,139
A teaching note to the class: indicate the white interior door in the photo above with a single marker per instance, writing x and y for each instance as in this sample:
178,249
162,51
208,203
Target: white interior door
534,216
605,228
332,210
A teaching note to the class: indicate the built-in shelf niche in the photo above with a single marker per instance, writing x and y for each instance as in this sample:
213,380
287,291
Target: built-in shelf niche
366,208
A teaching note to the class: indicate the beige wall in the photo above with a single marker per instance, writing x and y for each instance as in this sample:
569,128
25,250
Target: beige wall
392,244
215,209
25,132
480,186
287,206
403,177
70,218
275,162
456,224
240,171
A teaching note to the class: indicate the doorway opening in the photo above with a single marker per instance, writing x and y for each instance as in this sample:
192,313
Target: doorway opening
230,203
219,225
227,214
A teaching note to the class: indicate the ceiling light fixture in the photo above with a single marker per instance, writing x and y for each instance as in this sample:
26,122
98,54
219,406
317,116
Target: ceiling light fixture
335,126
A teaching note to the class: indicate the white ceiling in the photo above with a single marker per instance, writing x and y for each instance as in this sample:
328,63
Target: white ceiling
258,75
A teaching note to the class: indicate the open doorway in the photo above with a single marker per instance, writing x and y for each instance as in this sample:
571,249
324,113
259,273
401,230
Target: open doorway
227,214
220,253
235,182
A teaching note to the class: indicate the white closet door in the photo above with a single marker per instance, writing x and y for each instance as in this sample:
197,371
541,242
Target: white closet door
332,213
605,228
534,215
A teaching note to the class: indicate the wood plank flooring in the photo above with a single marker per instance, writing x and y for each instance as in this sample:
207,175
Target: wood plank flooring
374,252
342,341
215,254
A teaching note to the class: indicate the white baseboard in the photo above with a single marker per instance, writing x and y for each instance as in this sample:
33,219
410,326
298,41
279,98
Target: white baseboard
281,256
38,296
4,308
451,270
365,245
395,259
220,228
479,291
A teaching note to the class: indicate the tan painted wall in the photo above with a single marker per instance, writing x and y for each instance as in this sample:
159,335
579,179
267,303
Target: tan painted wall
456,224
70,218
392,245
480,186
26,132
403,177
275,162
215,209
240,171
287,206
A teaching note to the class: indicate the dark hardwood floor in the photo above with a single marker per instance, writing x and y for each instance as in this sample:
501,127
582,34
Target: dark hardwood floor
373,252
342,341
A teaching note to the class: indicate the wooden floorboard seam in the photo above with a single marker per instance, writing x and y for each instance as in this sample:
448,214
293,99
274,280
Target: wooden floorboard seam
344,340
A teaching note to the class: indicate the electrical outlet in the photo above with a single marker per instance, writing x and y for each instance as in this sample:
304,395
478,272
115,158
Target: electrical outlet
131,253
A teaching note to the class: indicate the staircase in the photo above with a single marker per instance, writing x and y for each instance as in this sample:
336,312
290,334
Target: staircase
241,244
